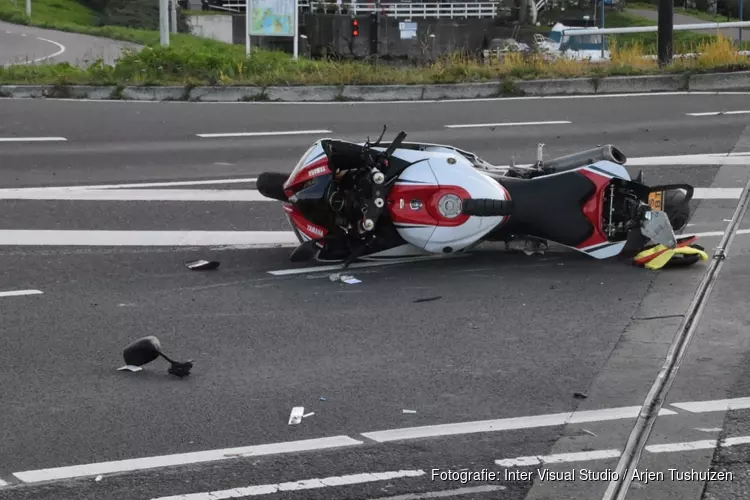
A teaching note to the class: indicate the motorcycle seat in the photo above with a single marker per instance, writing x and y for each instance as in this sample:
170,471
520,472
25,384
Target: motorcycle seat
551,207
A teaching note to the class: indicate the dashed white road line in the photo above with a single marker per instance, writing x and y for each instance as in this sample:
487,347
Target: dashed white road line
32,139
134,194
445,493
20,293
305,484
257,239
244,180
718,113
508,124
36,476
263,134
716,405
583,456
506,424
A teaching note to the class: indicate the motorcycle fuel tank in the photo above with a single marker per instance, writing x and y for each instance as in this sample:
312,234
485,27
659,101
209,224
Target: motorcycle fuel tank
425,202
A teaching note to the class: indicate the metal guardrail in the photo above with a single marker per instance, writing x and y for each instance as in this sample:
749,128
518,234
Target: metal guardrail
655,29
466,10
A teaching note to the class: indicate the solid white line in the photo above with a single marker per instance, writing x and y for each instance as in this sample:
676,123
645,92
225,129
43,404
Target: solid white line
510,124
142,185
717,113
432,101
36,476
258,239
445,493
716,405
134,194
32,139
18,293
263,134
506,424
688,160
708,429
582,456
305,484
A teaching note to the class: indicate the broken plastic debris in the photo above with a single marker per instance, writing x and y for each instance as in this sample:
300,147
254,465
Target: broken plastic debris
409,411
129,368
579,395
308,414
202,265
588,432
345,278
296,415
98,478
323,398
335,277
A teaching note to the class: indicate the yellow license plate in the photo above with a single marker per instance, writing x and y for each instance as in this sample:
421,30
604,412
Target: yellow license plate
656,200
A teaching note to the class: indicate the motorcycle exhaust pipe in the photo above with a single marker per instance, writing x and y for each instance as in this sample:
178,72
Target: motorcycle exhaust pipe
607,152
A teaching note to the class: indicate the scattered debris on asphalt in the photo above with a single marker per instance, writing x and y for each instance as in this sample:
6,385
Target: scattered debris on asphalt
428,299
323,398
344,278
296,416
98,478
588,432
409,411
308,414
202,265
579,395
145,350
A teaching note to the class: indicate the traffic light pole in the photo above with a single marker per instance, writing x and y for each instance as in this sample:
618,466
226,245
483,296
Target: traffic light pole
665,33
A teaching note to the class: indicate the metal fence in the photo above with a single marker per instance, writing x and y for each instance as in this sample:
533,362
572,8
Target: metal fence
435,10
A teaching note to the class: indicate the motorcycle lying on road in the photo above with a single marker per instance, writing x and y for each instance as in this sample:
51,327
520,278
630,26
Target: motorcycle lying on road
406,200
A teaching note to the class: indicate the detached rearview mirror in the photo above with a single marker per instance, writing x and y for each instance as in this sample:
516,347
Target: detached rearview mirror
147,349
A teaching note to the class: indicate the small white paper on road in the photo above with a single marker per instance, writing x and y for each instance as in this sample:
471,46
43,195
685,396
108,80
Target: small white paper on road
296,416
129,368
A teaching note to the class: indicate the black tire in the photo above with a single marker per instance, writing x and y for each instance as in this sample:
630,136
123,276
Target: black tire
271,185
677,209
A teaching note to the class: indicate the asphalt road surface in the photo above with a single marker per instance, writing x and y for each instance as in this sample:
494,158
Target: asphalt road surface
396,389
21,44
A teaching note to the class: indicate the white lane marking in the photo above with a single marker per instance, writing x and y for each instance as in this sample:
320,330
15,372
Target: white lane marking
264,134
605,454
257,239
717,193
509,124
358,265
445,493
94,469
134,194
716,405
19,293
583,456
689,160
244,180
717,113
226,195
305,484
708,429
32,139
61,49
506,424
432,101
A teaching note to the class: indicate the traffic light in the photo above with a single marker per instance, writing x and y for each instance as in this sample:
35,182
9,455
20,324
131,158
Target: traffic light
355,27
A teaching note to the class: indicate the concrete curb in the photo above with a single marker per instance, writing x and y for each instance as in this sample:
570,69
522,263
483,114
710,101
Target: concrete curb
737,81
